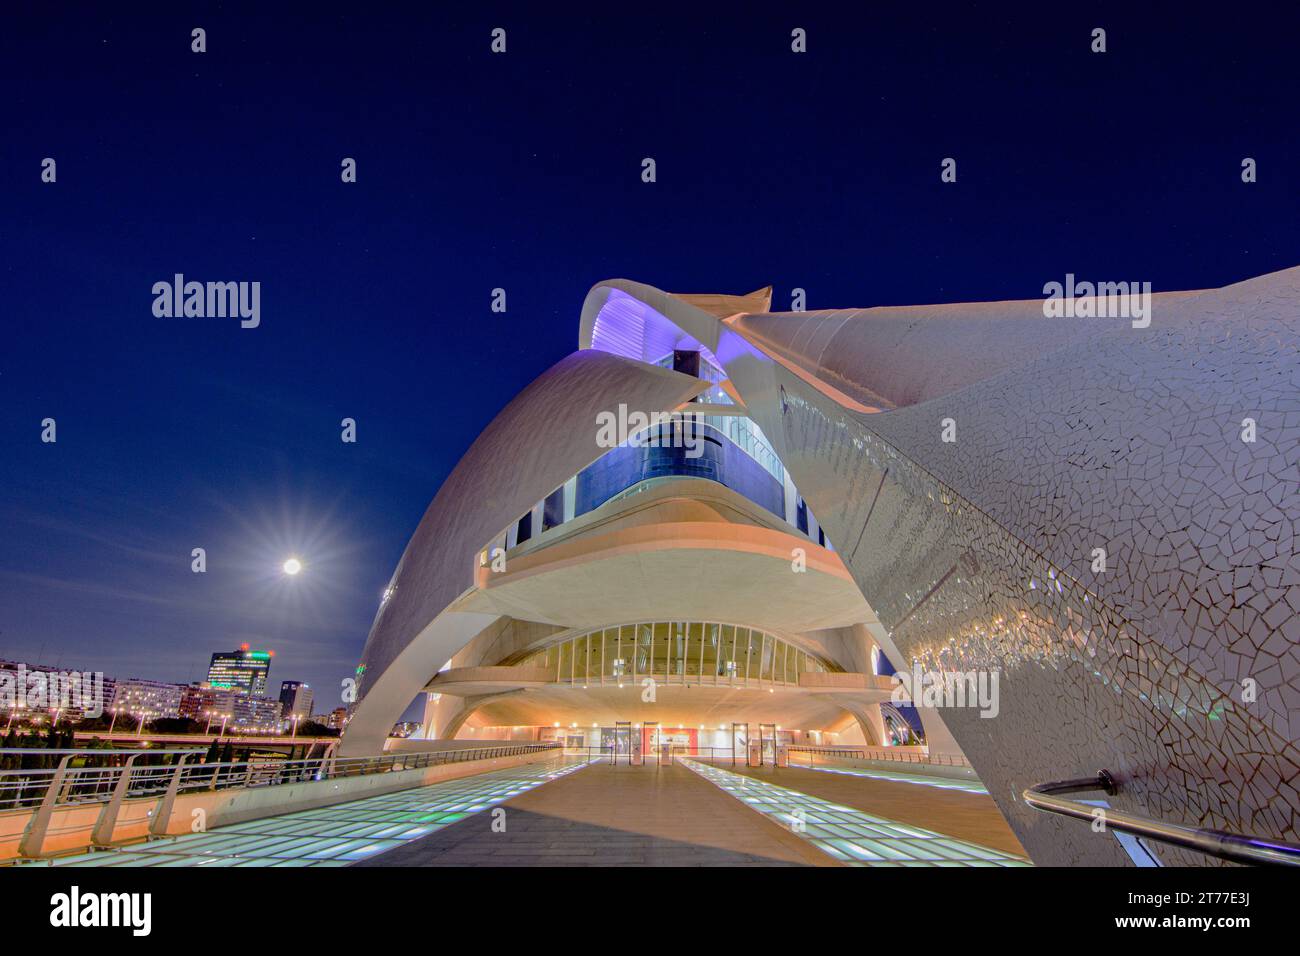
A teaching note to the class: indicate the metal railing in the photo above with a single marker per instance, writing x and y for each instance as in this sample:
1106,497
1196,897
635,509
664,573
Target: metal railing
884,753
741,755
841,753
112,776
1048,798
83,776
667,753
89,776
652,755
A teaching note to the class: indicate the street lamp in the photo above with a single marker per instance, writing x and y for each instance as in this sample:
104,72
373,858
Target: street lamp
18,705
296,718
112,723
224,718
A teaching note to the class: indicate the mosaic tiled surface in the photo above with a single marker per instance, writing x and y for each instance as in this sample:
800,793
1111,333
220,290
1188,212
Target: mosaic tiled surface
852,836
978,556
334,836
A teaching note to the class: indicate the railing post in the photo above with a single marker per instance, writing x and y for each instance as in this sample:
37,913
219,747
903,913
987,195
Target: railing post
34,839
162,816
102,835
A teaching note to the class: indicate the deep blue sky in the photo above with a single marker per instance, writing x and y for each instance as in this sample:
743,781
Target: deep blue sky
520,171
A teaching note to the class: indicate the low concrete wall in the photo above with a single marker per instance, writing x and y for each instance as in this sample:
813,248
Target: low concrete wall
889,766
71,826
423,745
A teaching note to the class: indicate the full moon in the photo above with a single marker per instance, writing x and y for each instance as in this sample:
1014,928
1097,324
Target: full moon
292,566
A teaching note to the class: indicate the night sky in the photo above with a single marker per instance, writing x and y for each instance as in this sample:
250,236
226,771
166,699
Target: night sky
519,171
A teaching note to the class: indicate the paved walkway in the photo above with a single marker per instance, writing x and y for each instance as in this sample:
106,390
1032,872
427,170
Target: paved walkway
972,817
561,813
614,816
854,837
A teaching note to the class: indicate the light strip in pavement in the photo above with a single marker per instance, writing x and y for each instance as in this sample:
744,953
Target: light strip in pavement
852,836
943,783
332,836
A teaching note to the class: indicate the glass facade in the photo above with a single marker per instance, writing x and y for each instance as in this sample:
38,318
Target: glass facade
749,438
712,455
715,394
240,670
676,652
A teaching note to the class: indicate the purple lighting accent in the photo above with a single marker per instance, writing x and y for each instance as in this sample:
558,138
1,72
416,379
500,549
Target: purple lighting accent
628,327
732,346
620,326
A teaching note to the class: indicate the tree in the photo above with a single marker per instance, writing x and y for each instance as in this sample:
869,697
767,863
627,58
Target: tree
310,728
174,725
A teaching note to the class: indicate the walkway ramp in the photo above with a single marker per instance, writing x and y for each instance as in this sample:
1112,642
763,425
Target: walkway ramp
945,806
606,815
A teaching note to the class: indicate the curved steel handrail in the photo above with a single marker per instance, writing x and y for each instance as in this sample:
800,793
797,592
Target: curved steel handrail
1226,846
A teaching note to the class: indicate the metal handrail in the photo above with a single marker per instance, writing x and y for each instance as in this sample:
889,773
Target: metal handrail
22,788
27,788
596,752
39,751
653,755
1225,846
872,753
849,753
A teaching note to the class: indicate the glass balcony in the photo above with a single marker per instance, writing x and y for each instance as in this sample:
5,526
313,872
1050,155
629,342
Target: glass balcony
694,449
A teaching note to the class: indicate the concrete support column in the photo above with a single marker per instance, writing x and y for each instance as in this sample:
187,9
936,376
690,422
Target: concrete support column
872,723
437,710
444,717
937,737
570,497
791,500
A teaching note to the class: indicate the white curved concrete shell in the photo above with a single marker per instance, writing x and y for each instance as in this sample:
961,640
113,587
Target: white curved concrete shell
1177,667
532,446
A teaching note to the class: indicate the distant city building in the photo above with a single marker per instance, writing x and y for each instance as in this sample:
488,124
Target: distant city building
296,699
73,695
203,701
405,728
250,712
243,670
338,717
155,698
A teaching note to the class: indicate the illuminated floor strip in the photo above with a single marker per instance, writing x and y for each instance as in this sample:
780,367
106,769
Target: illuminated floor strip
943,783
852,836
333,836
